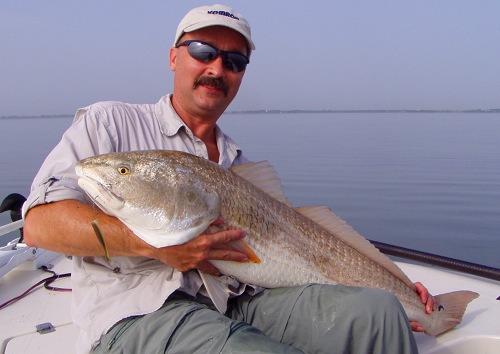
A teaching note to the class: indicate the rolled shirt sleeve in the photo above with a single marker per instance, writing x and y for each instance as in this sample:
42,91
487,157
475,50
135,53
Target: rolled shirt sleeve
56,180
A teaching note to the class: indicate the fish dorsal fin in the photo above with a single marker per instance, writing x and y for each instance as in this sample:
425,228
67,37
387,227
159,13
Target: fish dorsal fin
263,175
327,219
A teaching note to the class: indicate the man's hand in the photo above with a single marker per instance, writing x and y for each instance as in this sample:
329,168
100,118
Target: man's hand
428,300
195,254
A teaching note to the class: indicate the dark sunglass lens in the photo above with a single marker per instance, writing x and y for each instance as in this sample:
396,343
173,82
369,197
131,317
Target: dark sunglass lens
236,62
201,51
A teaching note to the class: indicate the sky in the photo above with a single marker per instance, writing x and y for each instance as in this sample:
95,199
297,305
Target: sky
59,55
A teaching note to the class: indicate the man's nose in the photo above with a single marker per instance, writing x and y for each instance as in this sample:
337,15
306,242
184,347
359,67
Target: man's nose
216,67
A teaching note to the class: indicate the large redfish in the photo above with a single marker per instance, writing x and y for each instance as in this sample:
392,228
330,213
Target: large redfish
169,197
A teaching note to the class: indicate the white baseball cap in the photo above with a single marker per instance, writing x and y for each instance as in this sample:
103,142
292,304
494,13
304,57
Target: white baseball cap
215,15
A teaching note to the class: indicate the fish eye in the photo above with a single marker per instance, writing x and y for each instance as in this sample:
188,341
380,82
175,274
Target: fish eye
123,170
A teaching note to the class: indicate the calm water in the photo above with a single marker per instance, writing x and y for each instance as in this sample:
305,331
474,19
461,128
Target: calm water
425,181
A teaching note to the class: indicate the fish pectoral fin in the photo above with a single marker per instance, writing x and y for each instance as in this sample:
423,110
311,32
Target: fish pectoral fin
216,291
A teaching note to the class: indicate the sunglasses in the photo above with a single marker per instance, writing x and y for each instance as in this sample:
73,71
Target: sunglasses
204,52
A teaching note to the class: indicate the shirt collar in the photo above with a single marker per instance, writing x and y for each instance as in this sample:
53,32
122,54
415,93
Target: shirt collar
169,120
170,125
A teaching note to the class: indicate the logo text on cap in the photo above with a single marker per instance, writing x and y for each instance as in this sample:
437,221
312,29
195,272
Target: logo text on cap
223,13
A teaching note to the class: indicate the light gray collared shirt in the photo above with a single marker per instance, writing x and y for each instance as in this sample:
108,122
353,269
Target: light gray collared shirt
102,297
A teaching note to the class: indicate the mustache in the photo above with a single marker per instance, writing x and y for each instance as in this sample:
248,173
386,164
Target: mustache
213,82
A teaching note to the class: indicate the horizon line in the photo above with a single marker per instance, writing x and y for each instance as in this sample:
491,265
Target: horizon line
271,111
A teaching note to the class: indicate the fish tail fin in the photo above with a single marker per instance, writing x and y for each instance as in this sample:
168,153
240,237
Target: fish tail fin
450,308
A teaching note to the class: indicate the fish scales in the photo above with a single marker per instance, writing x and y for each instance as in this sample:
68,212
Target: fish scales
321,245
168,197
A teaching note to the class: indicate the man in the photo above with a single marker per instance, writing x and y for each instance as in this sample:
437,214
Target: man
145,299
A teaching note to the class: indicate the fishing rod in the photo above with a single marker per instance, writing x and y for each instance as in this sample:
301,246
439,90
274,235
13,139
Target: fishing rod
442,261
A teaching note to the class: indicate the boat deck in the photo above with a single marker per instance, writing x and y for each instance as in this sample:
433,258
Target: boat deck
479,331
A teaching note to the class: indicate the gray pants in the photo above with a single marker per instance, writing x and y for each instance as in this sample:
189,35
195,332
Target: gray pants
305,319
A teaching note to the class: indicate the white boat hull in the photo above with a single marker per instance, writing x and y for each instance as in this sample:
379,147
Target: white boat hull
478,333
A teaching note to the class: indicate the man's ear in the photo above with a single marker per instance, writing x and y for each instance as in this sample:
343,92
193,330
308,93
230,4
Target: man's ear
173,57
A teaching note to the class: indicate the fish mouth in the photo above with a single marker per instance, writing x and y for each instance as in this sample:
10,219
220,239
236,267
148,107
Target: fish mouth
101,194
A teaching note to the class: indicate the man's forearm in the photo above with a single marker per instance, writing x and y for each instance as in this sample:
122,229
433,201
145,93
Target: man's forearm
65,227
